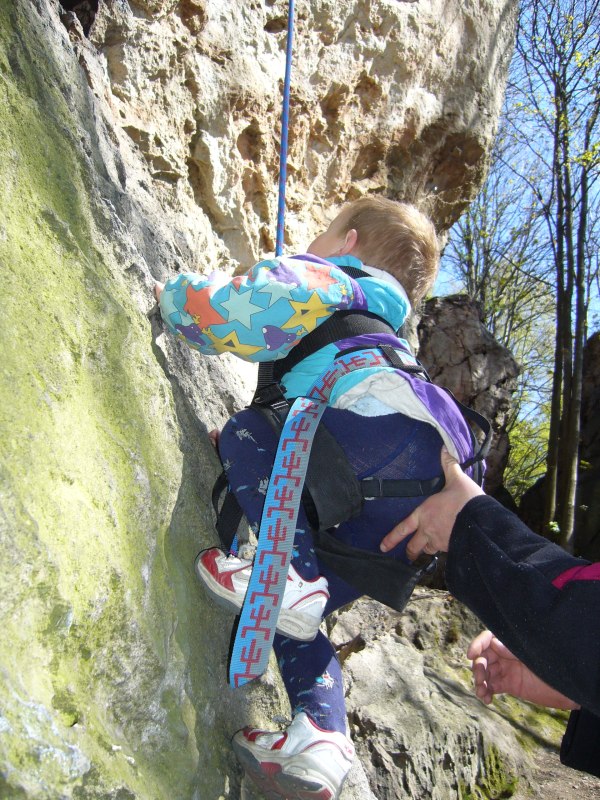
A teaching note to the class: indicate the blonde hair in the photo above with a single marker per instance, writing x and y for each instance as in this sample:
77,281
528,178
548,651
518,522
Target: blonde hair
397,238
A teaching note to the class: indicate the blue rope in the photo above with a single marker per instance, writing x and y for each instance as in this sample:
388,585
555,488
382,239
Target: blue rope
284,130
285,114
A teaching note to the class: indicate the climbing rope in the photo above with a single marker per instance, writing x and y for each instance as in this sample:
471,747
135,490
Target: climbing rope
284,130
256,629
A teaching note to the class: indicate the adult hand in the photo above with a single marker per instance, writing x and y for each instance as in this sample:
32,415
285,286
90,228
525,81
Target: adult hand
158,289
433,520
496,670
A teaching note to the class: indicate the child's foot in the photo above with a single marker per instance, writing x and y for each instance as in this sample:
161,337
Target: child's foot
227,577
301,762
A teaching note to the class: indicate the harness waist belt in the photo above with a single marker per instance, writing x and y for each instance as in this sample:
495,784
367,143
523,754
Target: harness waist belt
378,487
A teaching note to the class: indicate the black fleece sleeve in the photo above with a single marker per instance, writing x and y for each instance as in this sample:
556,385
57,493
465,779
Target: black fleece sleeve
503,572
580,748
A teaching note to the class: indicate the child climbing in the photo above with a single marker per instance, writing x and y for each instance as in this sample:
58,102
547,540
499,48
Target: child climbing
374,260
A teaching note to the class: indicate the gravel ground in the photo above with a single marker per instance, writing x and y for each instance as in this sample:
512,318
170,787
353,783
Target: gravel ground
557,782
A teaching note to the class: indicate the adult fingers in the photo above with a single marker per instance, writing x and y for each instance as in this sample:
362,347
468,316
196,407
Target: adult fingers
450,466
479,669
417,545
483,685
480,643
400,532
484,693
501,649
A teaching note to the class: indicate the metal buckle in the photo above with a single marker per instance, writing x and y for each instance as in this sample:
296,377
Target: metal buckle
270,395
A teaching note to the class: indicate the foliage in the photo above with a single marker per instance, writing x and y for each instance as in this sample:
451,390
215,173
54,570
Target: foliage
527,249
555,94
498,254
528,448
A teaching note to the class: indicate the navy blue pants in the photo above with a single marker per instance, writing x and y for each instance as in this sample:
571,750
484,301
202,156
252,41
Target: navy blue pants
390,446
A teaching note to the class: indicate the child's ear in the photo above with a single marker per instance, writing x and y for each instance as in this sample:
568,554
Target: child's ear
349,242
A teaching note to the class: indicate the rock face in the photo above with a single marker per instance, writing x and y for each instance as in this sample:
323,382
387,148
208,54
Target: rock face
107,690
391,96
419,731
460,354
150,147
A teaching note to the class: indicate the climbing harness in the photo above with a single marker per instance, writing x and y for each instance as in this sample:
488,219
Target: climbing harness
264,596
330,494
310,467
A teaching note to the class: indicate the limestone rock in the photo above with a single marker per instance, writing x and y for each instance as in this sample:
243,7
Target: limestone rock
105,471
460,354
418,729
391,97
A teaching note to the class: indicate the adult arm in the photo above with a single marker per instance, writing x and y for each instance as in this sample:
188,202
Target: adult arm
541,602
496,671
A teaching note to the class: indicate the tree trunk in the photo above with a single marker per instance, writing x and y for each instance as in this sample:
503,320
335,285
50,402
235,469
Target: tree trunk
562,322
568,513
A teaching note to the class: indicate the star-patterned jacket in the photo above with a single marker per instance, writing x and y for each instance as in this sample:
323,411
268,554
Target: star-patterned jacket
261,315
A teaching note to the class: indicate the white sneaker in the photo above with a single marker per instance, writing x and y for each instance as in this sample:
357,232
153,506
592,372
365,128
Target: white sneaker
226,578
301,762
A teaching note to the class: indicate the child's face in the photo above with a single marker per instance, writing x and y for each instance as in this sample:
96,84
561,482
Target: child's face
333,241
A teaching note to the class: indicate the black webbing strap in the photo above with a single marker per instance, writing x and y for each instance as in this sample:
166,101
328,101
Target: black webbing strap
340,325
229,515
389,487
354,272
270,398
392,355
266,374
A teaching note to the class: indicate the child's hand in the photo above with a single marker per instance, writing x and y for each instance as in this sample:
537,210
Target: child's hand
158,288
214,438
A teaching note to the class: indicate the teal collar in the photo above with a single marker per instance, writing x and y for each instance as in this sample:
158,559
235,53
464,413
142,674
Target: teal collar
346,261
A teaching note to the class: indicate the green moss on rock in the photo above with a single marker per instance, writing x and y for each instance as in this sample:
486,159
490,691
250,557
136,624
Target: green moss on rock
100,674
496,781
